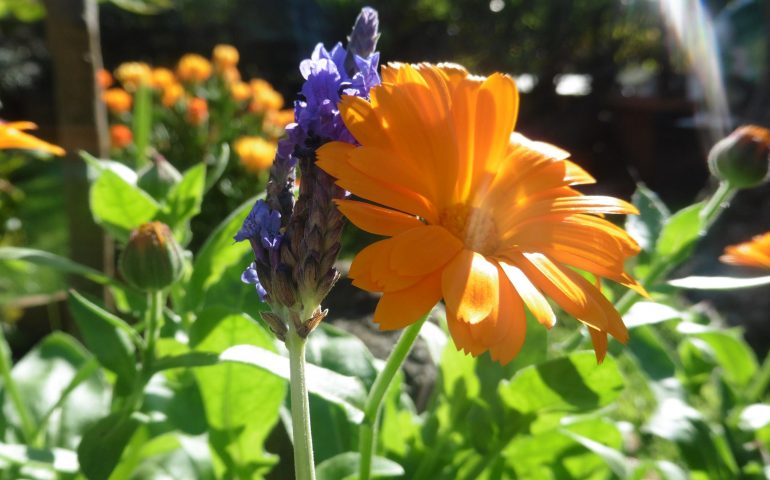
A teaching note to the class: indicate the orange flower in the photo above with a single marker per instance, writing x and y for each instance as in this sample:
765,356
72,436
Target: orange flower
280,118
754,253
133,74
171,94
104,79
120,136
162,78
240,91
197,111
193,68
265,98
479,216
12,136
117,100
231,75
256,153
225,56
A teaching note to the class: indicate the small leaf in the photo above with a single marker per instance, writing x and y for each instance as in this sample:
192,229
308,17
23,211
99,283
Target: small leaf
345,467
570,384
102,445
680,231
645,228
46,259
348,392
118,206
59,460
719,283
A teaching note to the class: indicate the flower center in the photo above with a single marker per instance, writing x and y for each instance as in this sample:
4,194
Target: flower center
474,226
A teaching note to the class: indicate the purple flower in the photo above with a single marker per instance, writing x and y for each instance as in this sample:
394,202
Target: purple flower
250,277
262,224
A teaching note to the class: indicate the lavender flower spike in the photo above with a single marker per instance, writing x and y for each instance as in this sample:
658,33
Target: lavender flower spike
363,40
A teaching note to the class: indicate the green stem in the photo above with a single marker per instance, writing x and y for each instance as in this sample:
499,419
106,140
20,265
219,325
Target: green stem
27,425
718,202
304,468
759,386
366,443
154,319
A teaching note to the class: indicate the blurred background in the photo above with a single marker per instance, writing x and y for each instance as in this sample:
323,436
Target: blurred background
636,90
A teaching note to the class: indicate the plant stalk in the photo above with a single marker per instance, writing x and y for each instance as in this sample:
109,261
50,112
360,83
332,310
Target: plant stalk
304,468
366,437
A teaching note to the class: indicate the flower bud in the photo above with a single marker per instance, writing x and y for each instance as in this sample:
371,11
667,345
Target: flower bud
152,259
742,158
158,177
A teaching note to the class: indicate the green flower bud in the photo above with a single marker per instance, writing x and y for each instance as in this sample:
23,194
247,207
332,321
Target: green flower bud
152,259
158,177
742,159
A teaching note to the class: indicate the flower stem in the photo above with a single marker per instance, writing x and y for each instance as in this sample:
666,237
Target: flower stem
27,425
154,318
304,469
366,437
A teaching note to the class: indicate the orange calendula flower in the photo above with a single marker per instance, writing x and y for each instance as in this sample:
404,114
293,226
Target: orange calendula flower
225,56
193,68
754,253
171,94
197,111
162,78
120,136
479,216
13,136
265,97
133,74
256,153
240,91
104,79
117,100
280,118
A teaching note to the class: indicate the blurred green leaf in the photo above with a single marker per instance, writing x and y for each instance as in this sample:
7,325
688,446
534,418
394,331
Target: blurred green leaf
118,206
648,313
46,259
59,460
615,459
719,283
345,467
680,231
186,360
733,355
108,337
241,403
652,355
218,163
103,444
338,351
45,378
645,228
184,200
97,166
755,416
142,117
570,384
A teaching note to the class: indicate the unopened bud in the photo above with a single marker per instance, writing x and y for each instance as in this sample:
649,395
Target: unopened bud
742,158
158,177
152,259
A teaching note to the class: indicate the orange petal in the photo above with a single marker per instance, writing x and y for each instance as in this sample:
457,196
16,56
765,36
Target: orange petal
402,308
362,121
535,301
423,250
495,327
471,287
461,335
512,313
599,341
377,220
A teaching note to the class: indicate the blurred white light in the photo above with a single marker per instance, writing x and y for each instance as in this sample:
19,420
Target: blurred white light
573,84
526,82
496,5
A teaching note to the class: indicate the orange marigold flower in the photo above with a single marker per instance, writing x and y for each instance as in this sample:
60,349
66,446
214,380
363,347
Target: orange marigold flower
754,253
197,111
120,136
479,216
225,56
162,78
133,74
231,75
280,118
12,136
117,100
193,68
171,94
265,97
104,79
240,91
256,153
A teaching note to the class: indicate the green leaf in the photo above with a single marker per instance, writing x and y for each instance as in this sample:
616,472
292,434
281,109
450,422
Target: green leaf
571,384
615,459
39,257
97,166
719,283
184,200
755,416
645,228
347,392
338,351
648,313
220,256
345,467
45,377
652,356
108,337
680,231
142,119
59,460
218,163
241,403
186,360
103,444
118,206
733,355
